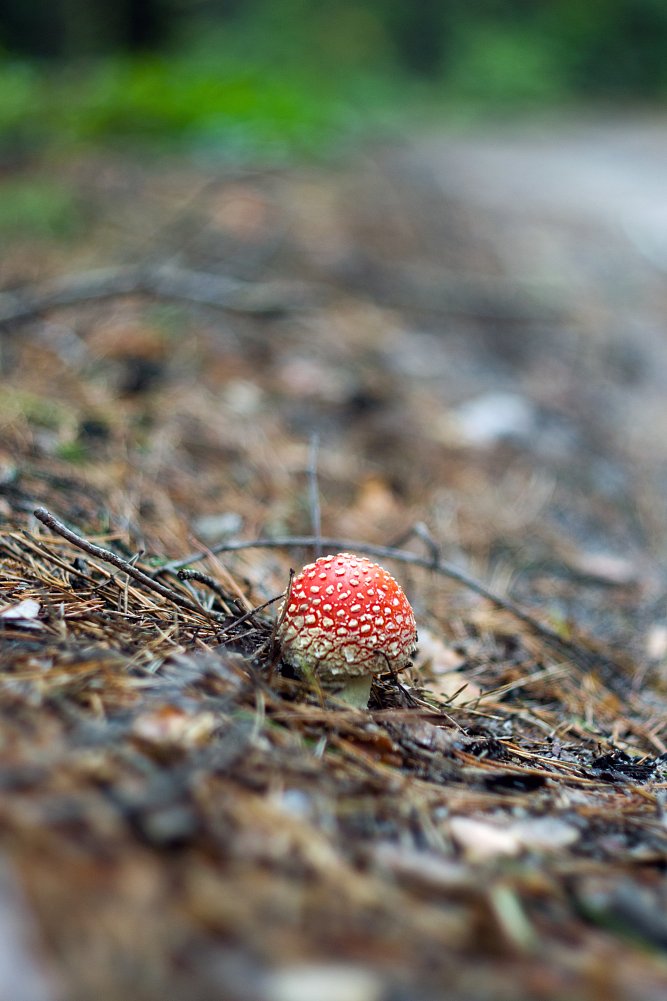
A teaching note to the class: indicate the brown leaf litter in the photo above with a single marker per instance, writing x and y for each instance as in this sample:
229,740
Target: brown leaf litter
167,788
182,818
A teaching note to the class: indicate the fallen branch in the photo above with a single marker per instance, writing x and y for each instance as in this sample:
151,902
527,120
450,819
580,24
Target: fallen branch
432,562
434,290
107,556
164,282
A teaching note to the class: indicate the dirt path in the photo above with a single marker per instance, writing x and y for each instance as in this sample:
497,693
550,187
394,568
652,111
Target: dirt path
582,207
609,173
578,211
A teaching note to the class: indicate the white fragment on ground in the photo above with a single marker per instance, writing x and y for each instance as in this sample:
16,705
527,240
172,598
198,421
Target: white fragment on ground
656,642
484,839
172,727
481,840
604,567
23,614
323,983
22,975
493,417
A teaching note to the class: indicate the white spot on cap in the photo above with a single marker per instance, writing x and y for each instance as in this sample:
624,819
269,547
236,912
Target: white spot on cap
314,589
311,620
355,608
327,623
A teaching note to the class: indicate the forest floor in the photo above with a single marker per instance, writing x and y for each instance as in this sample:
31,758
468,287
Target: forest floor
459,341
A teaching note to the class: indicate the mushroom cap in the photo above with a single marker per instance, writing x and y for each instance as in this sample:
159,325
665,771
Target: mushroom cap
346,617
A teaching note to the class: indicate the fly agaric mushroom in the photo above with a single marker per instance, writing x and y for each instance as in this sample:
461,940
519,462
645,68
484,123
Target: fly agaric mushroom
346,619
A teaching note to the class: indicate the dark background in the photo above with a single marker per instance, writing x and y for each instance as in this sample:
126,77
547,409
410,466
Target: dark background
596,48
271,79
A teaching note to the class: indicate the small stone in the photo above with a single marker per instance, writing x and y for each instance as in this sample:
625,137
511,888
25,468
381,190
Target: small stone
324,983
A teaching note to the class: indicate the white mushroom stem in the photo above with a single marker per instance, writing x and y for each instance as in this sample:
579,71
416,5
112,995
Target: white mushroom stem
356,691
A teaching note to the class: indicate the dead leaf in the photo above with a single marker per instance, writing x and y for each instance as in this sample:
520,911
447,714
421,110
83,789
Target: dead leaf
170,726
435,656
23,614
486,839
455,688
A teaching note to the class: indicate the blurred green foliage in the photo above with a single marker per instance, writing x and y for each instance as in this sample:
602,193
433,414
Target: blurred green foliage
38,208
275,77
236,110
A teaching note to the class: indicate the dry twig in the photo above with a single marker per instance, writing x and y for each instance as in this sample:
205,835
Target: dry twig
117,561
314,493
433,563
162,281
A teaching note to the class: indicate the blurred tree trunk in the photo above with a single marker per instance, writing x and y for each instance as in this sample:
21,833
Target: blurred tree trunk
145,23
31,30
83,27
419,36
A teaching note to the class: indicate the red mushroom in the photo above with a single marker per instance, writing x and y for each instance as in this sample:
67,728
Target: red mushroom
346,619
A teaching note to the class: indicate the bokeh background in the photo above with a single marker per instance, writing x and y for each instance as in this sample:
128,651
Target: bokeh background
368,149
278,75
418,248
